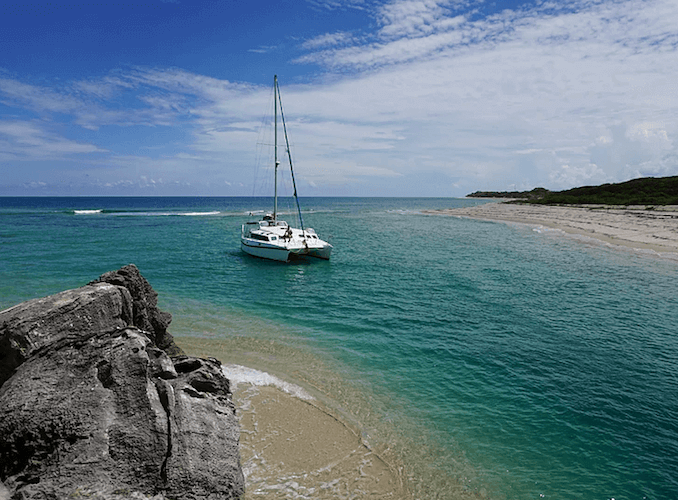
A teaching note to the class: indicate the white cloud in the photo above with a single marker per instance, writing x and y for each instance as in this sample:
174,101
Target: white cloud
568,175
91,102
649,132
555,94
29,139
327,40
339,4
104,88
263,49
414,17
39,98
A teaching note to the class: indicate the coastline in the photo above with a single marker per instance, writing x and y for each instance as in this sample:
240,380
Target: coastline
632,227
291,445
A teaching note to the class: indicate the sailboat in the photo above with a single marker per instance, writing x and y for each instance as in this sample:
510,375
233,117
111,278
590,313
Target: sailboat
274,239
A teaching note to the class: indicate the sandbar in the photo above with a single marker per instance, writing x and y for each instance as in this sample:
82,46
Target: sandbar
636,227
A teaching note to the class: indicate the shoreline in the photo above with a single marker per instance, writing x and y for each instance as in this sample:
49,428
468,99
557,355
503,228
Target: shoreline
291,445
294,445
633,227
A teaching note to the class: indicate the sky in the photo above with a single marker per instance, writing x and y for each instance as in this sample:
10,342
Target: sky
381,97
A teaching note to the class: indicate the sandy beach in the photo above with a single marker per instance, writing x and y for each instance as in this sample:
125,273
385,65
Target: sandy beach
634,227
292,446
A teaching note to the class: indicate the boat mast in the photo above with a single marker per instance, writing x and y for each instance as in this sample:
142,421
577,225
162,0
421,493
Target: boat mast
275,147
289,156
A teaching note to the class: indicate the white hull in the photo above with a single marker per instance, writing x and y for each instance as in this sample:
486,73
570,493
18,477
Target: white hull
275,240
282,254
321,253
266,252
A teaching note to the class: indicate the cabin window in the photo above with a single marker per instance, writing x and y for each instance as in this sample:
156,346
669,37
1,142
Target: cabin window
274,238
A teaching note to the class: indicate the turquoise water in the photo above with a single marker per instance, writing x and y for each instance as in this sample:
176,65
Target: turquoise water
519,363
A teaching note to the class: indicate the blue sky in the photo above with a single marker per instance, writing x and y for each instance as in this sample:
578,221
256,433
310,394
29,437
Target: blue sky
382,98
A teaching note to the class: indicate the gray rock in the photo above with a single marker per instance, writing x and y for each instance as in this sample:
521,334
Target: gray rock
37,323
145,312
89,406
203,430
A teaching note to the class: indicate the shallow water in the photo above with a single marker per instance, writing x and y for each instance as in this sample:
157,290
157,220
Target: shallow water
516,363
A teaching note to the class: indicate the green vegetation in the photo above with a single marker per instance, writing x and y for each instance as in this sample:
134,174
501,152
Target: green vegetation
645,191
535,194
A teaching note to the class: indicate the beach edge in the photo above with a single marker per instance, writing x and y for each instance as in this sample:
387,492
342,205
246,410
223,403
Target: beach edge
633,227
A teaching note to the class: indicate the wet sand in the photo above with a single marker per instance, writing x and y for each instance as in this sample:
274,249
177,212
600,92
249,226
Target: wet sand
293,447
634,227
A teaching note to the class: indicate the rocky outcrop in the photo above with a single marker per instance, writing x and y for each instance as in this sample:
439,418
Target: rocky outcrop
145,312
91,406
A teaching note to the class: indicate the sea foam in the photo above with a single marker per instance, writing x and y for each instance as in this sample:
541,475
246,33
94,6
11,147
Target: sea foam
243,375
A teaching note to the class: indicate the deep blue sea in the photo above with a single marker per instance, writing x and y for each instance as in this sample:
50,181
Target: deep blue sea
521,364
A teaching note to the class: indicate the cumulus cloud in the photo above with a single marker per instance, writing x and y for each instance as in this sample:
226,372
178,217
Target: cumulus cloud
650,133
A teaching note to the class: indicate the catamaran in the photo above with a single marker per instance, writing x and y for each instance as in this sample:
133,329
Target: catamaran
271,238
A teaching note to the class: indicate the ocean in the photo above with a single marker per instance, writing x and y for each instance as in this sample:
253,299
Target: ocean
518,362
